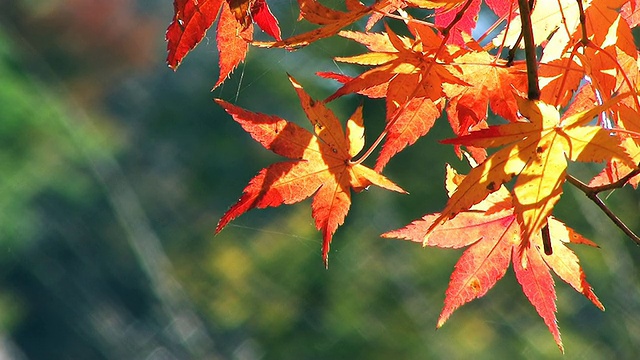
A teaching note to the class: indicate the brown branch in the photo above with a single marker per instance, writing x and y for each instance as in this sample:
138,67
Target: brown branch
533,86
530,50
592,193
616,185
512,51
583,23
546,240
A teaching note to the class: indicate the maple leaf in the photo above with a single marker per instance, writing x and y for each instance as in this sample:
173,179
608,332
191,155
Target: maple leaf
234,35
489,85
332,22
248,11
413,79
559,79
537,152
493,236
232,42
465,23
190,23
390,7
234,32
322,165
631,12
621,118
262,15
557,19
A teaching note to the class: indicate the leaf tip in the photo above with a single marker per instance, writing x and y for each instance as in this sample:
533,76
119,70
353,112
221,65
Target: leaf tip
173,65
294,82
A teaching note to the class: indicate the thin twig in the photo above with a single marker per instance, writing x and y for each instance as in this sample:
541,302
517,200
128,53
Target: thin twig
512,51
616,185
592,193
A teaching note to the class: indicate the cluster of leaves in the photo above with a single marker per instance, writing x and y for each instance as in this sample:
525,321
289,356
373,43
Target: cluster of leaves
580,78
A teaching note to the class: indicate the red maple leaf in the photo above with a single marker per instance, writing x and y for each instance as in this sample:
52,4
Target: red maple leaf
322,165
494,239
190,23
466,18
192,19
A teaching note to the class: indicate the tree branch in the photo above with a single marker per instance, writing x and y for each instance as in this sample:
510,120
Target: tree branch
592,193
529,50
583,22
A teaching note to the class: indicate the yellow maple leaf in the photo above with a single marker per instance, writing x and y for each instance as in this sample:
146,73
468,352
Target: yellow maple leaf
536,152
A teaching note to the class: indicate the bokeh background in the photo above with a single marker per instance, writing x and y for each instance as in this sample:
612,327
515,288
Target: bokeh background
114,171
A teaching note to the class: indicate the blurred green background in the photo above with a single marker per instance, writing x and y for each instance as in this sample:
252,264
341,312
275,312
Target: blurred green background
114,171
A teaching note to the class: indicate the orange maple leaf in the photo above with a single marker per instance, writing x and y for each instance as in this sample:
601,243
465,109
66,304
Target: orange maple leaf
537,152
413,79
322,166
493,236
489,84
623,119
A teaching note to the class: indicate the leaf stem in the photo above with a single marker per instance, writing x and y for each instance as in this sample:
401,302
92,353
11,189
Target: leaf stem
512,51
546,240
592,193
370,149
530,50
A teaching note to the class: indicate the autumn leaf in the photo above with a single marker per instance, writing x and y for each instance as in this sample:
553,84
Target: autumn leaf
193,18
494,239
489,86
559,79
390,7
190,23
322,165
624,119
248,11
466,18
631,13
581,67
234,35
264,18
537,152
553,22
413,78
232,42
332,22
